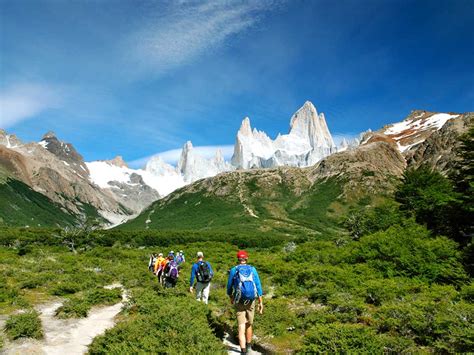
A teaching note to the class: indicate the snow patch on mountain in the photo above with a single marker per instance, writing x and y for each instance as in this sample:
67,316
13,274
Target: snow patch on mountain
414,130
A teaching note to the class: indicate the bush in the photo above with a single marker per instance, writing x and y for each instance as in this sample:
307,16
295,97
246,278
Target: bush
342,338
410,251
104,296
73,308
163,323
467,292
24,325
65,288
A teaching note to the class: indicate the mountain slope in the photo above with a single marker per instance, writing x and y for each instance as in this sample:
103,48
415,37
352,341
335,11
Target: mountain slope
283,200
22,206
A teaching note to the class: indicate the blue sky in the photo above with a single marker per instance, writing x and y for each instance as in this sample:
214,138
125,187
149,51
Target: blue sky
135,78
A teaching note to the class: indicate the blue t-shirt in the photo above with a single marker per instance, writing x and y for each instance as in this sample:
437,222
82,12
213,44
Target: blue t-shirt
195,269
230,280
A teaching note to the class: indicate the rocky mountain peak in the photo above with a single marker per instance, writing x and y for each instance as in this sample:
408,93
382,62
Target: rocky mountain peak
65,152
9,140
308,125
117,161
49,135
245,128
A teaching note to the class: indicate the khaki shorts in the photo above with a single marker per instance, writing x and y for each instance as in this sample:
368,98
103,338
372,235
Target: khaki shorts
245,312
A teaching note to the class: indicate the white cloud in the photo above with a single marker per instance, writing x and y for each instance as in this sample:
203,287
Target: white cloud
188,30
172,156
23,101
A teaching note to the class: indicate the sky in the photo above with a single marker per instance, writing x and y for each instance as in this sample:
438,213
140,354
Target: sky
137,78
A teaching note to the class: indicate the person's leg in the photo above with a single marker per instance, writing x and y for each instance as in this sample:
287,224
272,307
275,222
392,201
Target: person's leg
241,321
205,292
248,335
250,314
242,340
199,289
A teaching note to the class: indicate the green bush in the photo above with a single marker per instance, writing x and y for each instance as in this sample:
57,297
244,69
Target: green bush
410,251
467,292
339,338
161,323
24,325
103,296
65,288
73,308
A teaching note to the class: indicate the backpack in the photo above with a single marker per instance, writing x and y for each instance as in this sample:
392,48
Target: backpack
179,259
245,288
173,272
203,272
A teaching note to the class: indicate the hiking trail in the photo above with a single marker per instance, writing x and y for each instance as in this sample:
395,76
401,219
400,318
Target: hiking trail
68,336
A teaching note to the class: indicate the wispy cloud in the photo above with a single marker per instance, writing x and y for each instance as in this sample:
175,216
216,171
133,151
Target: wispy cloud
23,101
172,156
184,31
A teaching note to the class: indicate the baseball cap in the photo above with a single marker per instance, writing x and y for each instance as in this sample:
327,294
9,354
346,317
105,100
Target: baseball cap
242,254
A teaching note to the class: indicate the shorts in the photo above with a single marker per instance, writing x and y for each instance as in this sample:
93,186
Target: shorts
245,312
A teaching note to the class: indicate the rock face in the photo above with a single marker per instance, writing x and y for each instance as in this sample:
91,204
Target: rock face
193,167
437,150
66,153
56,170
308,141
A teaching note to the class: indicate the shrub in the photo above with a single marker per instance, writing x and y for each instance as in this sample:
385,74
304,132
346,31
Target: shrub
65,288
467,292
104,296
73,308
342,338
410,251
161,323
24,325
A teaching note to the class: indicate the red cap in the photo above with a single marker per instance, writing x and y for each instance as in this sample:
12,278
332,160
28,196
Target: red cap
242,254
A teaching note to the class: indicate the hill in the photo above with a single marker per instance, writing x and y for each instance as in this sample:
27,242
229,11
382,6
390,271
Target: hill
22,206
310,201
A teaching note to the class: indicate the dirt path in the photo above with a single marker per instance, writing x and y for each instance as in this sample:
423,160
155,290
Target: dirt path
67,336
232,345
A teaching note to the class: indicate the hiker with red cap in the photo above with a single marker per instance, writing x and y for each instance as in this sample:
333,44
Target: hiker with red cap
243,288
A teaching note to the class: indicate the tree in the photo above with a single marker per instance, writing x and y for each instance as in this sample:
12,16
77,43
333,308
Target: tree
429,197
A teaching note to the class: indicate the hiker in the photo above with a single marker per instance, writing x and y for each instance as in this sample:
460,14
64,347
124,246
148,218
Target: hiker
171,272
180,259
151,263
243,288
159,267
203,273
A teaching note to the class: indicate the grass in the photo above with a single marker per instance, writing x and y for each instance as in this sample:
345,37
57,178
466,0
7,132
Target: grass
22,206
281,210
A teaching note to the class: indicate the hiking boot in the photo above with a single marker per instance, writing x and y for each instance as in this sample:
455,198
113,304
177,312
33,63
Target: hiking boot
248,347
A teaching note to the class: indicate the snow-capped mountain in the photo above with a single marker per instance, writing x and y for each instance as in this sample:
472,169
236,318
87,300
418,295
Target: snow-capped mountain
193,167
308,141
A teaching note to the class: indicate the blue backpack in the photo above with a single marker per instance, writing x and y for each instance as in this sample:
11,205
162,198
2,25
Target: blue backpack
245,288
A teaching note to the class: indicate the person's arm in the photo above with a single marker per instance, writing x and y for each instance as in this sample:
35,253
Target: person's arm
210,269
259,290
193,274
230,281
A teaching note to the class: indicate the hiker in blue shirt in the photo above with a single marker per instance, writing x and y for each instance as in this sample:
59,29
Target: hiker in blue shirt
203,273
243,288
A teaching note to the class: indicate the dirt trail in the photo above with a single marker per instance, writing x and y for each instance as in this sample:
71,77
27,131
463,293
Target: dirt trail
232,345
67,336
